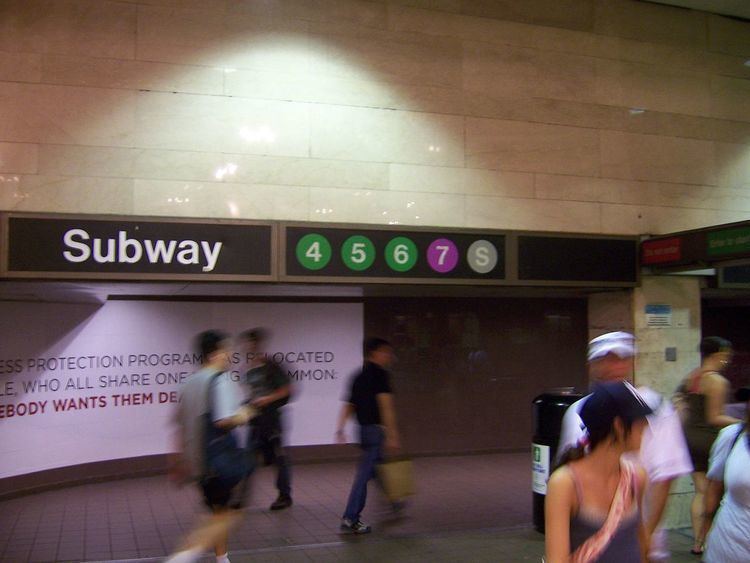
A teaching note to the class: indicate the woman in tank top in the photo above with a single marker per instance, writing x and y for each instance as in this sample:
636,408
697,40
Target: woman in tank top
592,509
704,395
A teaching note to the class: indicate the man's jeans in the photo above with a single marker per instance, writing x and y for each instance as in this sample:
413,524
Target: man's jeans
371,442
266,434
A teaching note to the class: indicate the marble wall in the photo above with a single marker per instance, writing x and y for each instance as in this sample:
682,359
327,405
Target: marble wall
601,116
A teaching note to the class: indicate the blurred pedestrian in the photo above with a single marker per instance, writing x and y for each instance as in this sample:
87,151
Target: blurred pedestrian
209,408
371,400
729,487
704,395
270,389
663,453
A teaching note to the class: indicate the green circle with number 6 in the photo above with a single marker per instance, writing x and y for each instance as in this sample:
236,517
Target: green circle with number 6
313,251
358,253
401,254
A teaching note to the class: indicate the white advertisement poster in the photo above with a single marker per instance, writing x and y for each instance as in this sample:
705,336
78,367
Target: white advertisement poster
82,383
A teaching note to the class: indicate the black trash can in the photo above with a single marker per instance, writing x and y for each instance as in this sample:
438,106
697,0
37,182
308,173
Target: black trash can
548,411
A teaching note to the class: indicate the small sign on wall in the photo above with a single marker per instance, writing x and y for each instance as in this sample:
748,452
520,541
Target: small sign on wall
539,468
658,315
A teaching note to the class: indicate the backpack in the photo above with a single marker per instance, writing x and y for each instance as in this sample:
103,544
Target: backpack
226,463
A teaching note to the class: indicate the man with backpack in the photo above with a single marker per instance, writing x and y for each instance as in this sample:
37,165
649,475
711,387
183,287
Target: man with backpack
209,409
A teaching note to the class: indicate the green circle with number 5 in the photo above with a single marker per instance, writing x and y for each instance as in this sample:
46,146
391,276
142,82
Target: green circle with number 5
401,254
358,253
313,251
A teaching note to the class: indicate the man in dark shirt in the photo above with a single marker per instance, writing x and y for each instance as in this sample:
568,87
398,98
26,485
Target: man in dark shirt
371,400
269,391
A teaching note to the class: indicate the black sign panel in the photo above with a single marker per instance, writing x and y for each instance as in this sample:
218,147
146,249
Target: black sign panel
735,276
133,248
393,254
577,259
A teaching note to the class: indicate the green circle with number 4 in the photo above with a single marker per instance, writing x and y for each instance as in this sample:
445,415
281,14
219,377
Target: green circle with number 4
358,253
313,251
401,254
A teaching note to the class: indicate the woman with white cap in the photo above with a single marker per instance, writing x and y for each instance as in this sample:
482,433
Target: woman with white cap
600,521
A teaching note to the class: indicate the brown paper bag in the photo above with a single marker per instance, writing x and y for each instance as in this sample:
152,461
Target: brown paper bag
397,478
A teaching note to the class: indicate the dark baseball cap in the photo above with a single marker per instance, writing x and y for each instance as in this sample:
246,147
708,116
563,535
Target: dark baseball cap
610,400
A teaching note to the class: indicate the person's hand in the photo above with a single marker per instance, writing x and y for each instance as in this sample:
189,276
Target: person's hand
340,437
244,414
177,470
393,443
262,402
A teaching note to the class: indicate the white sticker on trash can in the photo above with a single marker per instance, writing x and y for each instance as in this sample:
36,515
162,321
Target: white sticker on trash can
539,468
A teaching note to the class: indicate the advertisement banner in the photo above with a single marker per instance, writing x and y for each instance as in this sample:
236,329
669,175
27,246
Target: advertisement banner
82,383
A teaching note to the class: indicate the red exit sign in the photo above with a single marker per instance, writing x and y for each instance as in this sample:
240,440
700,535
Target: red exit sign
661,251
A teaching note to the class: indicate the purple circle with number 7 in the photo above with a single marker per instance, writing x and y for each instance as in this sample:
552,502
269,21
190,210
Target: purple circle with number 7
442,255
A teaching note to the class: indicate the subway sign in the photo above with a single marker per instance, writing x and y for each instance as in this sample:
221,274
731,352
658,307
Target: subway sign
127,248
350,253
142,249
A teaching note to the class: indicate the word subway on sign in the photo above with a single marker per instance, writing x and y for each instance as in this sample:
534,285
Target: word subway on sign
70,247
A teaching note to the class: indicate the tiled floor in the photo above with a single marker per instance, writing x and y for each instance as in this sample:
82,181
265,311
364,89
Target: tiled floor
472,508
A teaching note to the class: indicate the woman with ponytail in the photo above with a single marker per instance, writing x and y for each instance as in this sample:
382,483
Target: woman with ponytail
592,509
704,395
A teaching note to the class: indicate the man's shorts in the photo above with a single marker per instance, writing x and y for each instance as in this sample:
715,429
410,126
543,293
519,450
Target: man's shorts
215,494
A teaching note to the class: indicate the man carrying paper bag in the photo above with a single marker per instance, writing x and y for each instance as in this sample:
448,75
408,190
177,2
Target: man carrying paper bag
371,401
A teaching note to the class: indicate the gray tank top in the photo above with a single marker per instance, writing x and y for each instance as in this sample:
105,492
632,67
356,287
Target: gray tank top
624,546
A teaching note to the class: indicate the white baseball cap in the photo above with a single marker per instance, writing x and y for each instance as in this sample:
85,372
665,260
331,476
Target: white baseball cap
621,344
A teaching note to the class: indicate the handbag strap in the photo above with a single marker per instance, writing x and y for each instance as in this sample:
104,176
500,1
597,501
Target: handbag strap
210,396
737,438
592,548
210,431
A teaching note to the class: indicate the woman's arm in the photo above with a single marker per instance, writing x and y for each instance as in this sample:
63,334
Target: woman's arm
715,388
558,507
711,500
644,534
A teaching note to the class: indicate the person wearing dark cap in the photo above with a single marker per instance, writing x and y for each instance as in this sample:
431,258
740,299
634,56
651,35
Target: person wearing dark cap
600,521
729,485
704,393
663,453
270,389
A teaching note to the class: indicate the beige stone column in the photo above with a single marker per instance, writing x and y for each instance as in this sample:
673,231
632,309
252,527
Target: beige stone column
682,294
610,311
652,369
626,310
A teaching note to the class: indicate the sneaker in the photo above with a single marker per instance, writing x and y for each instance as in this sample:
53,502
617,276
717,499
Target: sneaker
357,527
282,502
